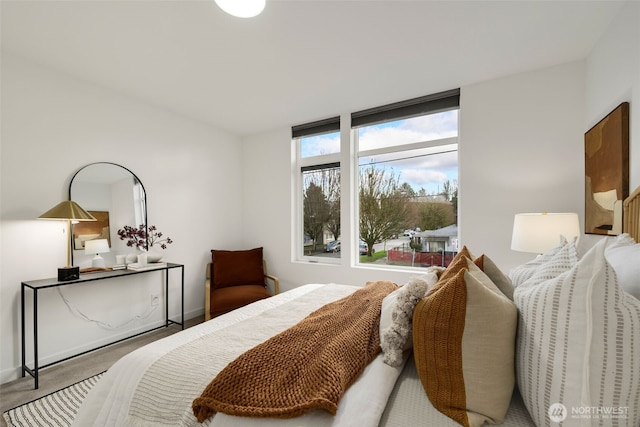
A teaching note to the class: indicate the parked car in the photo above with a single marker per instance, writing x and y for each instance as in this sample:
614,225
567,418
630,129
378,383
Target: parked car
333,246
408,233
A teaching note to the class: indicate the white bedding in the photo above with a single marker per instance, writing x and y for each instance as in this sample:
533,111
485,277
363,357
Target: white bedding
122,397
382,395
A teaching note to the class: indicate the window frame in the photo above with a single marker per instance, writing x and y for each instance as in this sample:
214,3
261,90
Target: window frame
348,160
432,143
306,164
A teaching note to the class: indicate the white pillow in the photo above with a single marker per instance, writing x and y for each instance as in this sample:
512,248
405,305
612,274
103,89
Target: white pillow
624,256
578,344
546,266
523,272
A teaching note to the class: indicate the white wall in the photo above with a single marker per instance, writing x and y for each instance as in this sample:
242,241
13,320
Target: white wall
52,125
521,150
613,76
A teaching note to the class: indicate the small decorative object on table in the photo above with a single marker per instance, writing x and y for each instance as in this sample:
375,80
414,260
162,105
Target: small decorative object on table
149,239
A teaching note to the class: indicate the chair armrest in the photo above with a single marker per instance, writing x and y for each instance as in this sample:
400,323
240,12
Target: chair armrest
276,283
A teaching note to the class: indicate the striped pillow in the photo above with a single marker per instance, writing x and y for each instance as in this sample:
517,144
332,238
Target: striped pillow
578,345
524,272
559,261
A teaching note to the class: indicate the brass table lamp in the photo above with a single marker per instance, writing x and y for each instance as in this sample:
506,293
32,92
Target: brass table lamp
69,211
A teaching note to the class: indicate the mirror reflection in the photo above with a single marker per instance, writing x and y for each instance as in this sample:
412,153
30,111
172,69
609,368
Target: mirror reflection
115,197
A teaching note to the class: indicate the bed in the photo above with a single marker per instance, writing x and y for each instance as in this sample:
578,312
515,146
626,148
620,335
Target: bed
145,389
158,384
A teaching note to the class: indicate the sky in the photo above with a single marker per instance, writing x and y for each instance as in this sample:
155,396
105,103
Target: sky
419,168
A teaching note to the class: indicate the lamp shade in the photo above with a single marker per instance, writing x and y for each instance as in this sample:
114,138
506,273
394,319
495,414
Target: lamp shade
242,8
96,246
540,232
68,210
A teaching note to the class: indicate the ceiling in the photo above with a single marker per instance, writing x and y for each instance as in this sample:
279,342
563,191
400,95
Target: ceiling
300,60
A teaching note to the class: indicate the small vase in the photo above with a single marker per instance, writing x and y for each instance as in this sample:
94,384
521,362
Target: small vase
154,255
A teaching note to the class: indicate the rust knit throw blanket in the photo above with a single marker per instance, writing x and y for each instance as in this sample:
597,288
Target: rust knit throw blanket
305,367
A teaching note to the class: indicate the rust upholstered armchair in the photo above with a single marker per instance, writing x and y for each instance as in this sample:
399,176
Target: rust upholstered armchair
235,279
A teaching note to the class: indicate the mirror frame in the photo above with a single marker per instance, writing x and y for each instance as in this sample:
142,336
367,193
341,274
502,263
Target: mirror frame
117,165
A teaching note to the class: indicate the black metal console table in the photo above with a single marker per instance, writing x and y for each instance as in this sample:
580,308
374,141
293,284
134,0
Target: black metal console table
36,285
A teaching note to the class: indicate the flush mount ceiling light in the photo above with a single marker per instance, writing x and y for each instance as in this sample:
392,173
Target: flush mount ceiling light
242,8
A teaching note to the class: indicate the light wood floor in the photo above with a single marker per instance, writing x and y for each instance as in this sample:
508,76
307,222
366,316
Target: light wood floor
61,375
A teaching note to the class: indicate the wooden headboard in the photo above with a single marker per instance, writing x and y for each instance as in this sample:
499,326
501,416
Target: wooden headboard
631,215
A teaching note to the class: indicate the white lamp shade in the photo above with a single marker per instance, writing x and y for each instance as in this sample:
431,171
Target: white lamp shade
540,232
242,8
97,246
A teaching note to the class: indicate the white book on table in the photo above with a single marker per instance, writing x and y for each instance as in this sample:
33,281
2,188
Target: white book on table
148,266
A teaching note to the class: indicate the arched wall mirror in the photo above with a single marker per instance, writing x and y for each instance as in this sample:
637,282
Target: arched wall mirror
115,196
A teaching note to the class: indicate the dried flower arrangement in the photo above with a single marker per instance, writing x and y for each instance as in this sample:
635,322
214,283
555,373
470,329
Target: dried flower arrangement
143,237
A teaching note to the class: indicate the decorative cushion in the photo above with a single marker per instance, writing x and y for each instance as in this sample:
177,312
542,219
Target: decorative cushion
496,275
463,345
458,263
560,260
524,272
578,345
486,265
397,314
624,256
236,268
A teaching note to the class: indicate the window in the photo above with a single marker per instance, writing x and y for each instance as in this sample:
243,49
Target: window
318,188
408,180
402,160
